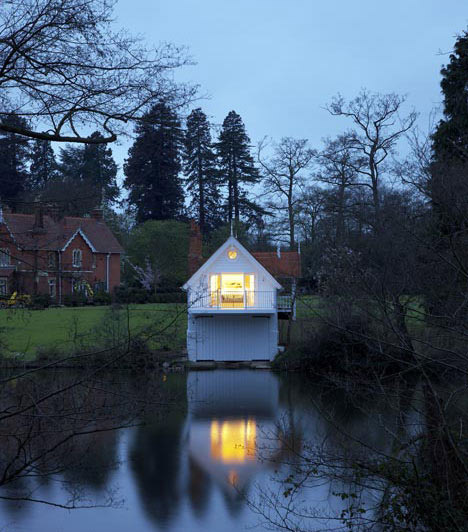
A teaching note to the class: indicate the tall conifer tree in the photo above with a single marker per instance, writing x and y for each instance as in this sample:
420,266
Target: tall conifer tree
43,164
450,139
236,165
449,182
99,172
153,166
86,178
14,156
201,172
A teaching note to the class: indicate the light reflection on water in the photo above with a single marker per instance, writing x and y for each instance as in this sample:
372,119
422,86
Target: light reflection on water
188,469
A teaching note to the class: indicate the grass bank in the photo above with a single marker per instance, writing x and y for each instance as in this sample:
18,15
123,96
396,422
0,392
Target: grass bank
26,333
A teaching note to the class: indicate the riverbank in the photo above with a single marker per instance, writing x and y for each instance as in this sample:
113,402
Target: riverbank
27,334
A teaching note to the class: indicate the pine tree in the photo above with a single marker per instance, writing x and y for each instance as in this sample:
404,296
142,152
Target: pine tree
449,183
14,156
43,164
237,166
85,179
201,172
153,166
99,172
450,140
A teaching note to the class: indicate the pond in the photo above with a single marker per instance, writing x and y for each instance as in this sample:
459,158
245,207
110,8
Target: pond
207,455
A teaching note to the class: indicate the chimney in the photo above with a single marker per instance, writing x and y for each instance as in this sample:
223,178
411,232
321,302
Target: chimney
195,258
38,226
96,213
53,211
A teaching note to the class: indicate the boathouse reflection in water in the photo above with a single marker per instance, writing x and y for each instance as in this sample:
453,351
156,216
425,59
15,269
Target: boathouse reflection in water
232,416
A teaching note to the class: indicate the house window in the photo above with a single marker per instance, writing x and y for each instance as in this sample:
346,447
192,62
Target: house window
4,257
51,260
77,257
52,288
232,290
232,253
3,286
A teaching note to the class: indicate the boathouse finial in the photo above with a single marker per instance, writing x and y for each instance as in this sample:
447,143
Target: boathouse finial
278,250
299,247
231,228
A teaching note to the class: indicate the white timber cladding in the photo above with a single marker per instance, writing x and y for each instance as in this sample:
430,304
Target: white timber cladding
232,308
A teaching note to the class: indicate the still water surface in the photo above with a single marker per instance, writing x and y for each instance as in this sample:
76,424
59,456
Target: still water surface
191,468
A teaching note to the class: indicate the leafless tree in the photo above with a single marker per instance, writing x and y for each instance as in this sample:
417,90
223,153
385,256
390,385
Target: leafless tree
284,178
377,128
66,70
339,167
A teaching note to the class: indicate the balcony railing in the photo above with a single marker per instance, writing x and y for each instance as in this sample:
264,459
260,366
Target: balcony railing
239,299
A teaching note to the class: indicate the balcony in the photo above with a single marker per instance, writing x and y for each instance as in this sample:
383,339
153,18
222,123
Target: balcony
238,301
232,301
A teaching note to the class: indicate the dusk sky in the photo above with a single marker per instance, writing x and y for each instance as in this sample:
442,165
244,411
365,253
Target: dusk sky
277,63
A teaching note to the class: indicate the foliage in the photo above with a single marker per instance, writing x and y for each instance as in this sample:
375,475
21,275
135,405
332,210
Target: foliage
163,245
77,299
153,166
202,175
14,158
450,139
85,178
237,167
102,298
44,166
41,301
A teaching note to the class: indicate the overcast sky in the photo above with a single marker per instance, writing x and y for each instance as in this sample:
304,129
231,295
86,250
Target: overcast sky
278,62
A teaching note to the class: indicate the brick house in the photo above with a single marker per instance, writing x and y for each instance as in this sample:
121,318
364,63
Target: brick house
44,253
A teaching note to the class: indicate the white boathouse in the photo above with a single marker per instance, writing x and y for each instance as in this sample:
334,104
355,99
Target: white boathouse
233,307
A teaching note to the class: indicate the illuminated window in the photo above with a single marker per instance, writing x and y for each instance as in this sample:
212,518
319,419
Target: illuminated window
232,254
232,290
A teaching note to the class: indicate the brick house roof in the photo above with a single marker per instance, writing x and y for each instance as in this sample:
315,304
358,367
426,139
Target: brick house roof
55,234
288,264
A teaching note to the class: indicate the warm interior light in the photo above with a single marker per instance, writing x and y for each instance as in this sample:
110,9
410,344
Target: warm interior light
232,282
233,441
232,254
232,290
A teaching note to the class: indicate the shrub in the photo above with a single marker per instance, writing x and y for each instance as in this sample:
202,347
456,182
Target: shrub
40,301
125,294
140,295
75,300
347,349
102,298
169,297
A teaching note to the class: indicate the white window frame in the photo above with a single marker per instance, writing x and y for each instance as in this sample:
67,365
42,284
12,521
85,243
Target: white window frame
4,252
3,286
77,258
51,260
53,292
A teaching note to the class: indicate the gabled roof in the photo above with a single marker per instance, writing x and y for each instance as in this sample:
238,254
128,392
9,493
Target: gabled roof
57,234
284,264
231,241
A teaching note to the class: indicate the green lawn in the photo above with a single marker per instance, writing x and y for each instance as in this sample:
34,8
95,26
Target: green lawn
65,329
